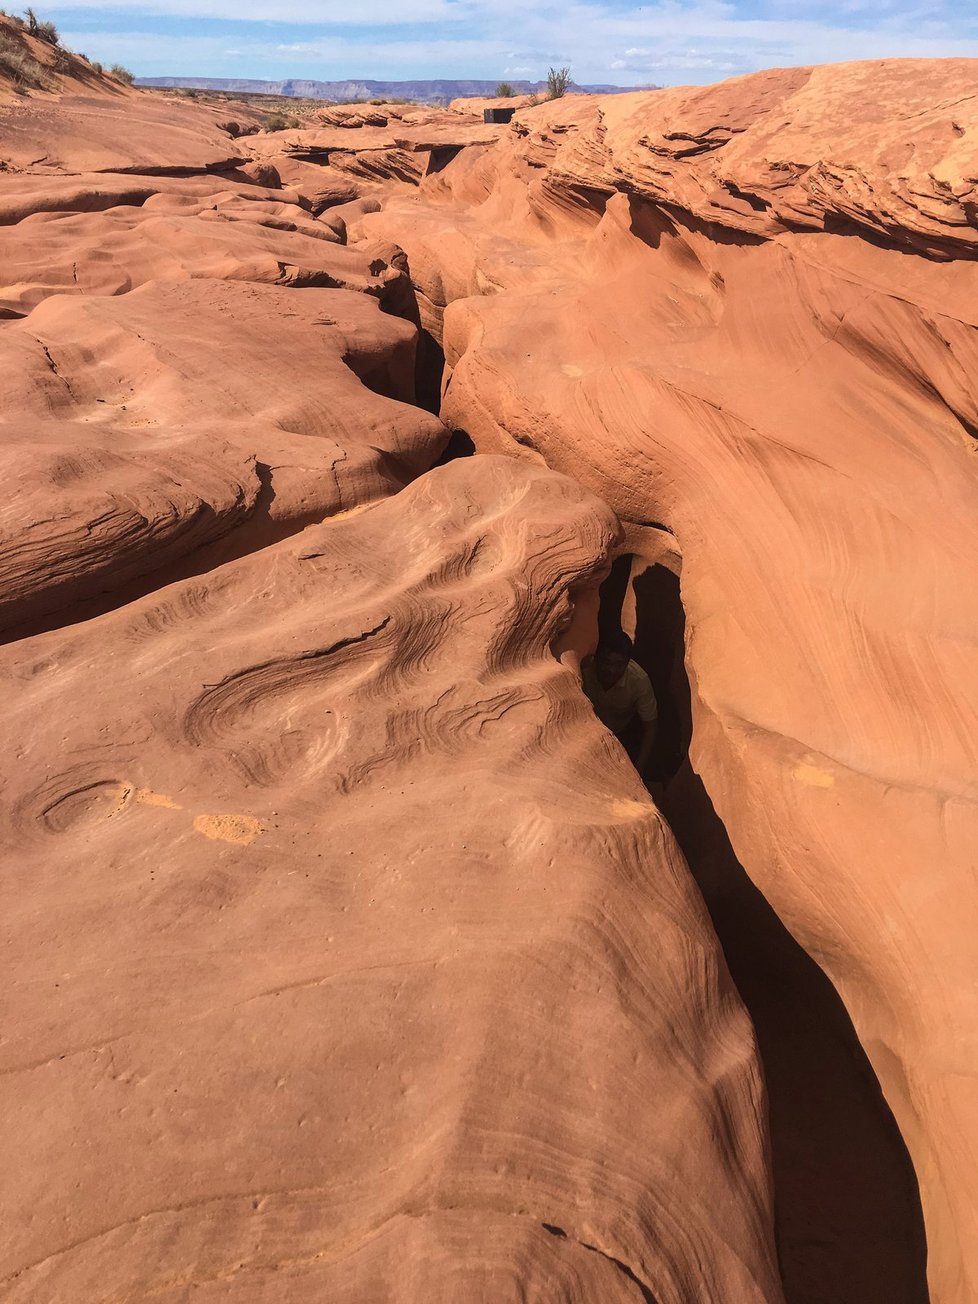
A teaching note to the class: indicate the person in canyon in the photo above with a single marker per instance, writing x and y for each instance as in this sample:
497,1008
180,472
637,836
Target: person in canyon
621,694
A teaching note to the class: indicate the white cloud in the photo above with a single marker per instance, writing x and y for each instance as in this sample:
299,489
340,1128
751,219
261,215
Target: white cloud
672,41
648,61
321,13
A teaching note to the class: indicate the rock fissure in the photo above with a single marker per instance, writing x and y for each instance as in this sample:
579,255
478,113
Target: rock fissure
623,1268
261,739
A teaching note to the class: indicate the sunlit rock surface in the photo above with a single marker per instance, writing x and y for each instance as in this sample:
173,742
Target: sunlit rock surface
345,955
745,314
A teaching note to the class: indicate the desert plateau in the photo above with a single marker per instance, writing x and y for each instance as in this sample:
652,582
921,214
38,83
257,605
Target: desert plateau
347,957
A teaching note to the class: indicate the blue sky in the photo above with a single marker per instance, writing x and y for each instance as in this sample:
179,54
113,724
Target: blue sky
667,43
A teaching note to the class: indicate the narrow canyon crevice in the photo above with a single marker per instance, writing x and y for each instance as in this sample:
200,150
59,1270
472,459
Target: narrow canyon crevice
314,827
848,1219
849,1225
552,1230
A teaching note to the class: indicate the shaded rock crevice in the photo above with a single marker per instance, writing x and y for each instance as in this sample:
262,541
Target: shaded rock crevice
655,325
623,1268
847,1204
848,1219
789,400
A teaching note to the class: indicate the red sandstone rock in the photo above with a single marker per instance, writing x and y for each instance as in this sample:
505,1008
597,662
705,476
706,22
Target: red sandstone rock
25,194
350,957
374,148
744,316
477,104
224,235
346,956
320,186
747,313
131,133
197,367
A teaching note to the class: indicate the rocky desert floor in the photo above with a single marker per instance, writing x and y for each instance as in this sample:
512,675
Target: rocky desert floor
346,957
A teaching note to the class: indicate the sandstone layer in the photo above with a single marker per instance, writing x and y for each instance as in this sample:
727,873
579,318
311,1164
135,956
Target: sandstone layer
338,910
346,956
165,386
744,316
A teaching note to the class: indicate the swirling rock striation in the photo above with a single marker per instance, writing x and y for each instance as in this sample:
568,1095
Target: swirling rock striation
746,314
170,400
343,936
346,956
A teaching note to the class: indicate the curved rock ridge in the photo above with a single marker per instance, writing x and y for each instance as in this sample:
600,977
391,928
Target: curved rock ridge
25,194
881,150
169,238
346,956
125,133
170,401
746,313
112,401
360,150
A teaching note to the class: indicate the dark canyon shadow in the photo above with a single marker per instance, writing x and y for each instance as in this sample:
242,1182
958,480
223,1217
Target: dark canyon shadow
460,444
848,1218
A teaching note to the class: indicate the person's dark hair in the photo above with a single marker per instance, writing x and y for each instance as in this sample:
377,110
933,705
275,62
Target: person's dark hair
617,644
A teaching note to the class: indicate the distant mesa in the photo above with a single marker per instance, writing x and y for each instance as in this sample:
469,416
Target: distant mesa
426,92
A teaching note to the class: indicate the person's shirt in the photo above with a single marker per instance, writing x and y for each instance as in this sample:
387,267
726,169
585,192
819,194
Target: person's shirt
618,705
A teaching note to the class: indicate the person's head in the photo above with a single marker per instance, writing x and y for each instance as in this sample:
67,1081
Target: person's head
612,658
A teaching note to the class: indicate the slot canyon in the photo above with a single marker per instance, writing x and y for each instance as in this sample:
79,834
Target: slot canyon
346,955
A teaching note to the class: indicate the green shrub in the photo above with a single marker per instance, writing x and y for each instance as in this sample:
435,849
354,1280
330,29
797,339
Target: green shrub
122,74
279,122
558,79
504,91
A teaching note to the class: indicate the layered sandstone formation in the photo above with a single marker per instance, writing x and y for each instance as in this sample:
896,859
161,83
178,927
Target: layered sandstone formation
346,956
381,962
745,317
348,959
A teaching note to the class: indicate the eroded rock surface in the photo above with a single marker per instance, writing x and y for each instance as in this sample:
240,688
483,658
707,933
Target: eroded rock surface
165,386
745,314
348,955
345,954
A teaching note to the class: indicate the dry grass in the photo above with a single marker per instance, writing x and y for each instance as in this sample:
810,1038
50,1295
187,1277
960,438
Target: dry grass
17,63
279,122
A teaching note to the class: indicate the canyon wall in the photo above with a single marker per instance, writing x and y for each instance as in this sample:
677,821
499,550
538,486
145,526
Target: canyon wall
745,317
345,955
